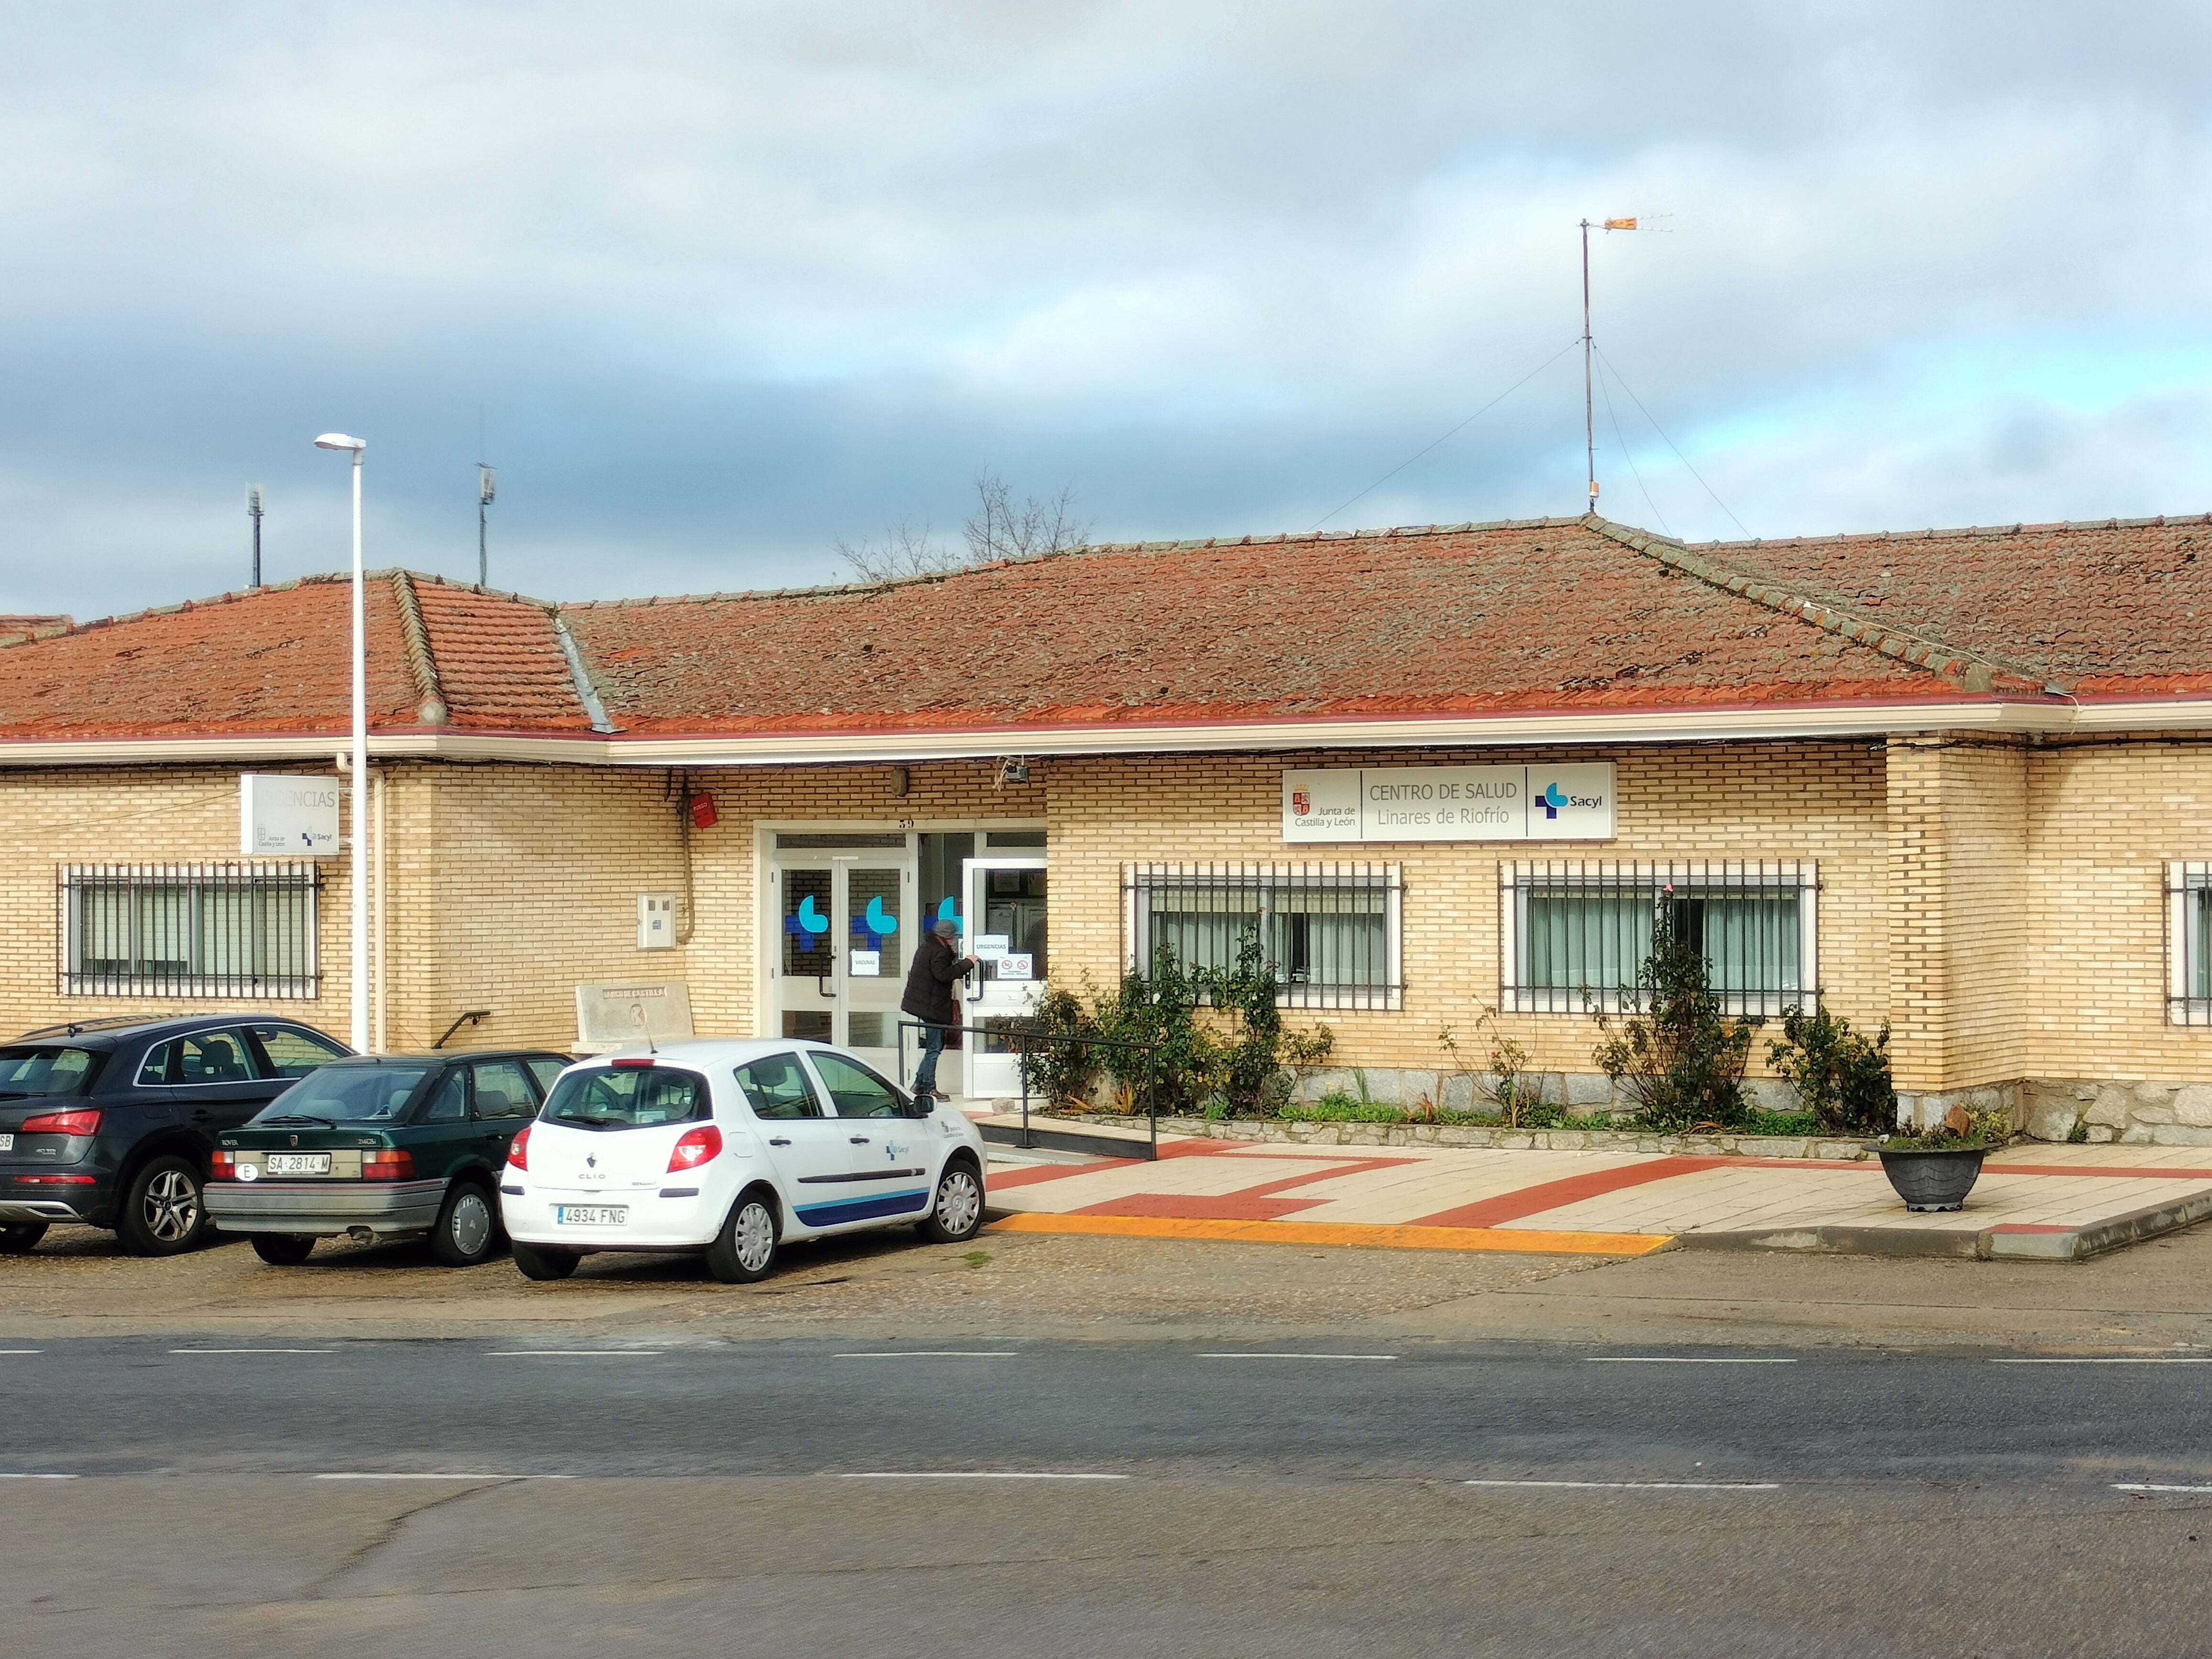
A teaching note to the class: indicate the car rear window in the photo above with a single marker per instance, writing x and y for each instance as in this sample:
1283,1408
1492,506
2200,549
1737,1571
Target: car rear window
628,1097
27,1071
350,1093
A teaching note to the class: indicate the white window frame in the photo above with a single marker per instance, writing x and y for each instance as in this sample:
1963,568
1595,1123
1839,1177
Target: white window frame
261,875
1515,881
1140,880
2185,880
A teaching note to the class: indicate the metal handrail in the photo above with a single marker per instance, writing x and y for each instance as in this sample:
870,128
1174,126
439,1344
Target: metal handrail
1025,1038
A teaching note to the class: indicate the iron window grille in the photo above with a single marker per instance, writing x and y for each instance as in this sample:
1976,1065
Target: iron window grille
1575,936
1331,931
2189,944
189,929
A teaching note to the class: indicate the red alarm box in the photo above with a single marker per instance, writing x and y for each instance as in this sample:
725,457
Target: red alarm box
703,815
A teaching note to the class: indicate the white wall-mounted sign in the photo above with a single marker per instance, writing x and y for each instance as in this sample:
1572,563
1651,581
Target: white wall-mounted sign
1014,965
866,964
1450,803
989,947
287,817
633,1011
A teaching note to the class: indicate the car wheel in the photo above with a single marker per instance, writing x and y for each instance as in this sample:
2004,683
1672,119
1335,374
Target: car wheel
957,1211
162,1213
283,1249
17,1239
467,1232
745,1250
537,1262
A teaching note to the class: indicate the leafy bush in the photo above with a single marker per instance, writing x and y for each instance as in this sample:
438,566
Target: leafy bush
1248,1066
1057,1063
1963,1128
1756,1122
1841,1076
1682,1060
1160,1008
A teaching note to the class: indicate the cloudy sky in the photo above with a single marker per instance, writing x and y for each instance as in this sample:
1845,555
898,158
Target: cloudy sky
721,283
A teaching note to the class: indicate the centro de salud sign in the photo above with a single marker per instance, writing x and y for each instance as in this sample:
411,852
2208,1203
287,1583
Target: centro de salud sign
1449,803
296,815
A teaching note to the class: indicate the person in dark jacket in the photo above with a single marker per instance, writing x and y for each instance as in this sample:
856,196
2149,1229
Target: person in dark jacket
928,998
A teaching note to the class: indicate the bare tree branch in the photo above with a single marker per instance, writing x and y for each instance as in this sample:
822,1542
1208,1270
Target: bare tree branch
998,529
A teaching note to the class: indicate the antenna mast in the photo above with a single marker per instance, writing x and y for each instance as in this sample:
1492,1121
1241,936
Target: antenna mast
486,480
253,512
1589,412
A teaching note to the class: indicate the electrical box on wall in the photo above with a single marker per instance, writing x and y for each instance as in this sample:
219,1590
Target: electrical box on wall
656,922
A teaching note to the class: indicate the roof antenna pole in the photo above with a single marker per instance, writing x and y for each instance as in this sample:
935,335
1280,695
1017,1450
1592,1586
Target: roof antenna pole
1589,413
486,482
253,512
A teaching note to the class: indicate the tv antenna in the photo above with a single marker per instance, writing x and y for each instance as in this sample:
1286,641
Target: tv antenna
1589,412
487,482
253,512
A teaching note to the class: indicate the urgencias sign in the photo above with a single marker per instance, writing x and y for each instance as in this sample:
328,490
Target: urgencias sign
1450,803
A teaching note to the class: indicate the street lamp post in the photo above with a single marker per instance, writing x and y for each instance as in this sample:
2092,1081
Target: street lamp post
359,874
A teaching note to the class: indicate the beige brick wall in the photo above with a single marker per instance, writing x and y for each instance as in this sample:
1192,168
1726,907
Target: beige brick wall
1958,832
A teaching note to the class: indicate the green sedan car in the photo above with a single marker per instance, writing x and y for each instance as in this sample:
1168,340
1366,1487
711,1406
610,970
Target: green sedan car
379,1148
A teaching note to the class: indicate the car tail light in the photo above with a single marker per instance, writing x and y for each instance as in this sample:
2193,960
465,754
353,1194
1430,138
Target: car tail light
636,1060
695,1148
53,1181
224,1166
388,1163
84,1122
518,1150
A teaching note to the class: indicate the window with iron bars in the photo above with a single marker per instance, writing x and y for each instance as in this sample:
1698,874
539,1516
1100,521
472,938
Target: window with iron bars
188,930
2189,944
1575,935
1330,931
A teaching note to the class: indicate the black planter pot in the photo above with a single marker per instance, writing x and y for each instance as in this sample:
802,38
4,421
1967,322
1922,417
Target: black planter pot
1931,1180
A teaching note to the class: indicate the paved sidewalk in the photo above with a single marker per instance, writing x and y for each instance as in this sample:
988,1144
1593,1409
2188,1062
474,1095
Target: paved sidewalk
2038,1202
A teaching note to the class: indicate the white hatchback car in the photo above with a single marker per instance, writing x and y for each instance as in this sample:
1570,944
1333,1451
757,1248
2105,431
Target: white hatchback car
731,1148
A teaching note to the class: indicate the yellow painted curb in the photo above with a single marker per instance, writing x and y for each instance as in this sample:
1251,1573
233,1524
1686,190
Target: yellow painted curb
1337,1232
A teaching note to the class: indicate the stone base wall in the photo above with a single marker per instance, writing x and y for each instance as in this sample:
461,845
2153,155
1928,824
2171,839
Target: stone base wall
1583,1092
2056,1108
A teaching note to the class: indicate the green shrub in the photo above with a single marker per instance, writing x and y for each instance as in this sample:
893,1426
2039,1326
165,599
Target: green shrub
1756,1122
1840,1075
1160,1008
1247,1066
1681,1060
1057,1064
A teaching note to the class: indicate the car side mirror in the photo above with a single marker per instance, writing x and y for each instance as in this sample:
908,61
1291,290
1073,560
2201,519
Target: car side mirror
920,1108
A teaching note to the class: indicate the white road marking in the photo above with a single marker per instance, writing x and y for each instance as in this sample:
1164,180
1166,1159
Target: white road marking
974,1475
1674,1360
10,1476
2137,1486
2147,1359
1637,1486
1297,1356
923,1353
22,1350
575,1353
370,1475
253,1350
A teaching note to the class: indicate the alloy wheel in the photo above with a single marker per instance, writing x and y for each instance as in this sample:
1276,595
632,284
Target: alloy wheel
172,1206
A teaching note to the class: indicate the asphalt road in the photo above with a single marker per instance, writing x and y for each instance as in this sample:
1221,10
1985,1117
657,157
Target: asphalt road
865,1497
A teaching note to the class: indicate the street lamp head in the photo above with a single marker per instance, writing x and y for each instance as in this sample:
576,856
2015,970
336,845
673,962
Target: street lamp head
339,441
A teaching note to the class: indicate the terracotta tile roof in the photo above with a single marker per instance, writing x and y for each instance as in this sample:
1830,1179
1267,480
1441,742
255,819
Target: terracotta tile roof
1540,616
1542,613
2120,605
274,661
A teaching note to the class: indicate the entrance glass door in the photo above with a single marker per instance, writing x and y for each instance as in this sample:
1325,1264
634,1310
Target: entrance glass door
1005,921
842,943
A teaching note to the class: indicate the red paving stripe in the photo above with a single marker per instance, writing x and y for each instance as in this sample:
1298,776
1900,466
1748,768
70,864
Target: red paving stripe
1202,1206
1036,1172
1553,1194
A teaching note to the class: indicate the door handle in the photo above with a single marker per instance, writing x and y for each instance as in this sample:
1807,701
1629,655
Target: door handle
820,982
779,1140
859,1140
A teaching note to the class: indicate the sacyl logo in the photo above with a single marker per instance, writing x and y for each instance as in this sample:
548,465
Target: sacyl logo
1552,798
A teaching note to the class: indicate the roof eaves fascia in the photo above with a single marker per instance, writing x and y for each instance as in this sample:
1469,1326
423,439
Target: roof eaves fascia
1974,671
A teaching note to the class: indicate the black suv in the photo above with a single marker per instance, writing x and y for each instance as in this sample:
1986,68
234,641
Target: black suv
111,1122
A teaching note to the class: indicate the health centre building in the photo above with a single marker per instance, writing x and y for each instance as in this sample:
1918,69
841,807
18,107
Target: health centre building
1953,781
